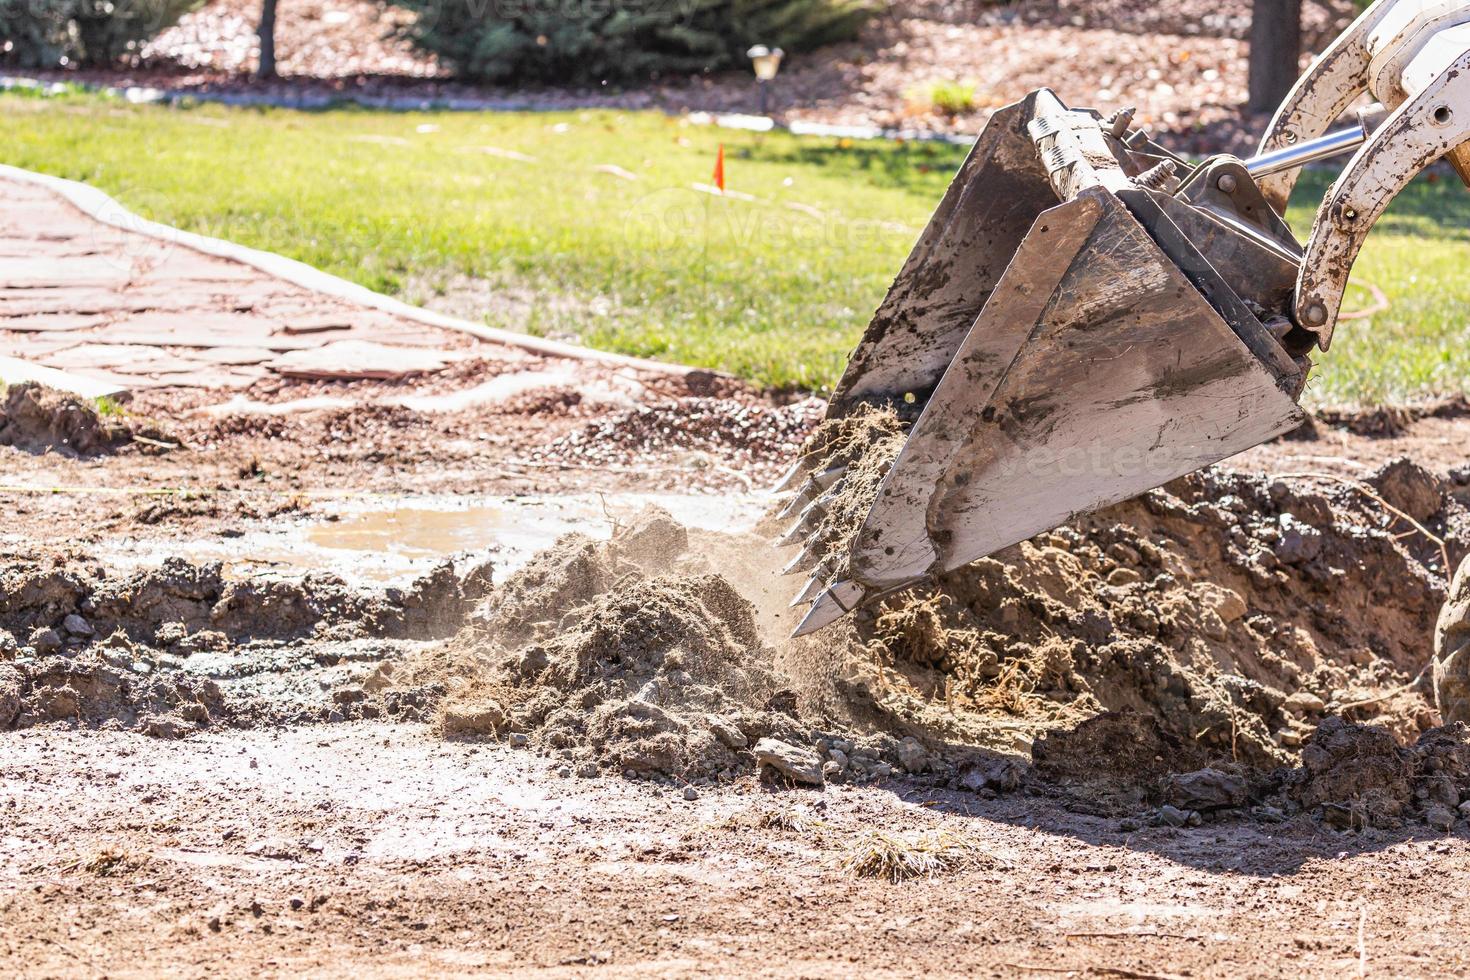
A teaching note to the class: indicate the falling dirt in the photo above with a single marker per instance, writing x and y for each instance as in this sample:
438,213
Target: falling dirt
861,446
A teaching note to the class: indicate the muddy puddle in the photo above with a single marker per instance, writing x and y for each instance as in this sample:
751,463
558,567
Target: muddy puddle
390,541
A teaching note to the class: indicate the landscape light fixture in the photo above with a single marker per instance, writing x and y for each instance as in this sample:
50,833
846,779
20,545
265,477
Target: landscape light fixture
766,61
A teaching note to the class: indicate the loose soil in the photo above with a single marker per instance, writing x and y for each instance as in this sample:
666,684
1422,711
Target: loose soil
1190,734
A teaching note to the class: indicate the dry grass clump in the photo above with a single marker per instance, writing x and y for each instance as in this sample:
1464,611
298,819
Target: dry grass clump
901,857
106,863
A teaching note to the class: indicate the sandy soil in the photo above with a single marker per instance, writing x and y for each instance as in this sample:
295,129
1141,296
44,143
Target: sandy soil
376,850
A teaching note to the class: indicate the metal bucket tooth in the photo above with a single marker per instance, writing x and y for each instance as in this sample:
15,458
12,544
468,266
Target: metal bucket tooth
792,476
831,606
814,587
811,490
803,562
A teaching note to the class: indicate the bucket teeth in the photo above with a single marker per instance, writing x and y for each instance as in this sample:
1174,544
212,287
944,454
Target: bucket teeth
827,477
794,533
813,588
811,516
811,490
791,477
831,606
803,562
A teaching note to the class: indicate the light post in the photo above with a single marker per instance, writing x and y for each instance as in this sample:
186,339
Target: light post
766,61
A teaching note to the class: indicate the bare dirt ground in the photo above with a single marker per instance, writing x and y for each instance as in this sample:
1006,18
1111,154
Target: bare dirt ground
1182,64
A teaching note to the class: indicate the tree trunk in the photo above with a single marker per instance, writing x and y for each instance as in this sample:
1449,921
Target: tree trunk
1276,50
267,34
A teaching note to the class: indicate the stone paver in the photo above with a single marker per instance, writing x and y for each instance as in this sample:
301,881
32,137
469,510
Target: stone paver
137,312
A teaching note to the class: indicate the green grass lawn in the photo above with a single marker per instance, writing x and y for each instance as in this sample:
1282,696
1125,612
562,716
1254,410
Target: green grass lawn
776,289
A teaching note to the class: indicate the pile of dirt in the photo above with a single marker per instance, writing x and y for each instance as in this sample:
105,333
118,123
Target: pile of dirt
39,420
639,656
1357,776
1216,620
621,655
108,686
1235,610
181,647
58,602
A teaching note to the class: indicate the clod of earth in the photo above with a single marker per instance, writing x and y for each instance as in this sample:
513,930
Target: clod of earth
38,420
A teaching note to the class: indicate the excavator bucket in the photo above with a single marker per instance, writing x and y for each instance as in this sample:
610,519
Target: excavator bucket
1085,318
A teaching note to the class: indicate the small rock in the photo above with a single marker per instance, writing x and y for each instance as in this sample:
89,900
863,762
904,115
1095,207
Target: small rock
565,772
912,756
1129,824
1410,488
1173,816
797,764
833,772
480,717
1299,543
1206,789
1269,814
297,903
45,641
519,740
691,794
1000,775
729,735
838,757
77,626
587,770
349,694
1124,554
843,745
1441,818
1304,703
1124,576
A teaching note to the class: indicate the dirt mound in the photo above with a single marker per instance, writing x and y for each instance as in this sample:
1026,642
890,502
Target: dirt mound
108,686
180,647
1232,609
598,656
40,420
637,655
60,602
1360,776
